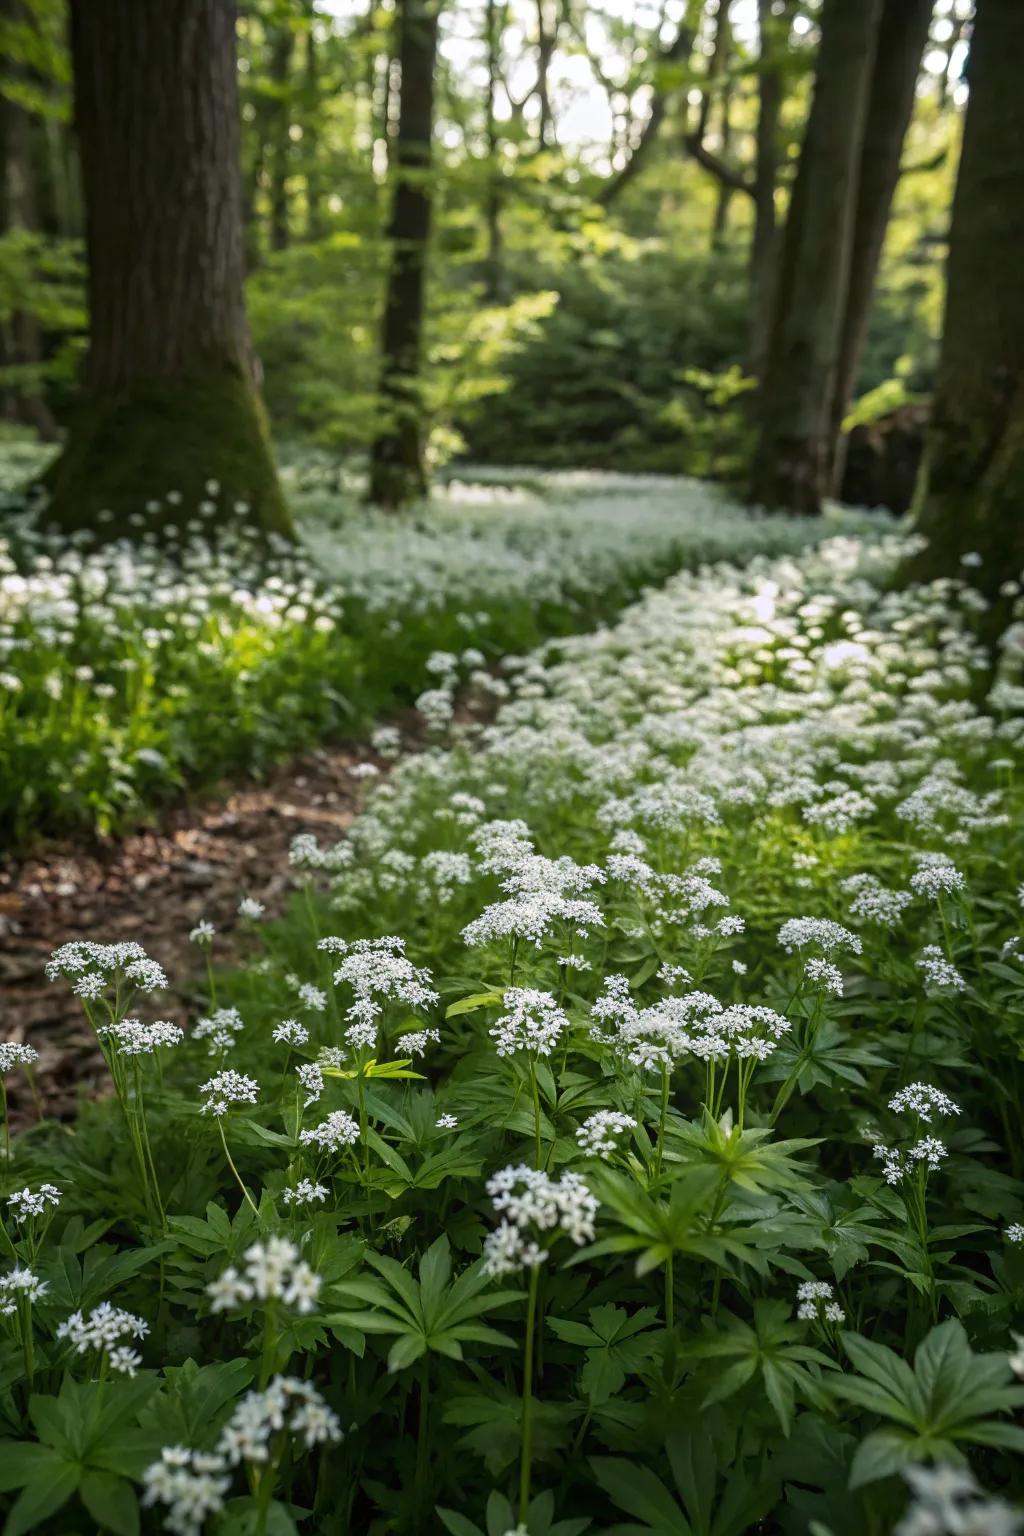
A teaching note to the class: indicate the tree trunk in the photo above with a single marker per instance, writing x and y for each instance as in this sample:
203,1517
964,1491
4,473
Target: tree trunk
311,145
494,283
280,143
796,389
397,470
971,492
169,401
902,35
763,247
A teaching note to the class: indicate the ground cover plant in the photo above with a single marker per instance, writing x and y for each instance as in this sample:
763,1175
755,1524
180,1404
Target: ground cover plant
115,659
620,1133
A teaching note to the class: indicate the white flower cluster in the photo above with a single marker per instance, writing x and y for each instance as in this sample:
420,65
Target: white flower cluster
597,1135
534,1023
896,1165
938,972
948,1502
194,1485
304,1193
219,1029
20,1283
542,894
98,965
132,1037
227,1088
337,1131
799,932
922,1100
815,1300
274,1271
534,1208
378,972
290,1032
695,1024
101,1332
14,1054
26,1203
872,902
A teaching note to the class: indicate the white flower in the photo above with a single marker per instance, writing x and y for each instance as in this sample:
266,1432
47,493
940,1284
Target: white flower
102,1330
202,933
219,1029
922,1100
814,1300
446,1122
597,1134
532,1205
827,976
938,972
797,932
290,1032
27,1202
937,879
337,1131
227,1088
251,909
534,1022
312,1080
191,1483
288,1404
20,1282
304,1193
1015,1232
274,1271
132,1037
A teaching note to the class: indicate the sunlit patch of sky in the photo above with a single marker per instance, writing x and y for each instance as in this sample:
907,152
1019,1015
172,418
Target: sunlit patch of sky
582,108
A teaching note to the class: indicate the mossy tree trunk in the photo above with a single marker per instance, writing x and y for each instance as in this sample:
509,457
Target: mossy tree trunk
397,468
902,35
169,400
970,498
791,458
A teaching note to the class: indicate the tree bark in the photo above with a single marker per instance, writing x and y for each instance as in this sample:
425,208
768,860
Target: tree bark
791,458
763,248
397,468
494,267
21,345
971,491
281,49
311,146
169,401
902,35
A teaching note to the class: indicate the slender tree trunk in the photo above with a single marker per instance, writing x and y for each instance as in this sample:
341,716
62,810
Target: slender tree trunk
397,470
282,47
21,348
763,247
793,403
723,49
494,283
902,35
545,51
971,492
168,401
311,145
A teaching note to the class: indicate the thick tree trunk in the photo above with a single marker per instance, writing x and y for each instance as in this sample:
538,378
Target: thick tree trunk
397,470
796,389
168,401
763,248
970,496
902,35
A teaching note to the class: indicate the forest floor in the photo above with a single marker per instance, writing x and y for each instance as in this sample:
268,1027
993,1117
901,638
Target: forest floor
153,886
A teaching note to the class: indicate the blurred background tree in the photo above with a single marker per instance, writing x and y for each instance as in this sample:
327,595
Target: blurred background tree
610,184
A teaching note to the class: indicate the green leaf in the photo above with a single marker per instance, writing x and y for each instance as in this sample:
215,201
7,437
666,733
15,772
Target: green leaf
111,1501
471,1004
45,1494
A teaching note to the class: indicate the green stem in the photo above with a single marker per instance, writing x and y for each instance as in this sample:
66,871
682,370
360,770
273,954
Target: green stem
526,1447
536,1113
234,1170
661,1122
670,1293
422,1447
7,1124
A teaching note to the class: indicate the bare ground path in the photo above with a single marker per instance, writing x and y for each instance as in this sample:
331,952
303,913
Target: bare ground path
153,886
